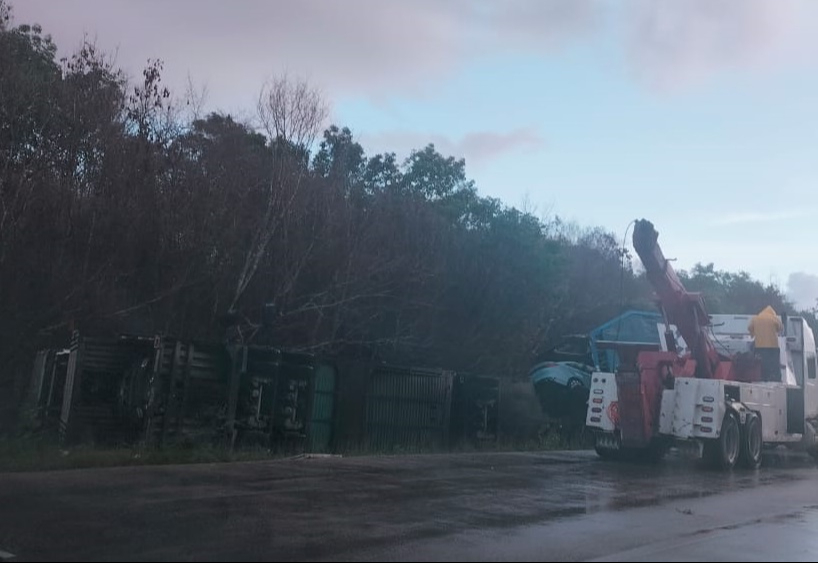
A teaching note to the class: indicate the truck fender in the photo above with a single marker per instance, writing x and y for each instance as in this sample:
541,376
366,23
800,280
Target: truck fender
741,410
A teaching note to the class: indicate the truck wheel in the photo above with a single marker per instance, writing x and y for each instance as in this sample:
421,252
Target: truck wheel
751,443
607,450
607,453
723,452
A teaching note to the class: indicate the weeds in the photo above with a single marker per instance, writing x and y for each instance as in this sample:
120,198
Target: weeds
38,453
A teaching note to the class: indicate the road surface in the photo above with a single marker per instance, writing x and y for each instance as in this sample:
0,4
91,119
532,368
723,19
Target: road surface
565,506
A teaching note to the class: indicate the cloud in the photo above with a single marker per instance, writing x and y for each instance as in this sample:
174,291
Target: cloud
354,47
680,43
380,48
802,288
532,24
478,147
747,217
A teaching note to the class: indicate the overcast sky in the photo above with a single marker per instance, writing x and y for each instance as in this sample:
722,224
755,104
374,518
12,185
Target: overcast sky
700,115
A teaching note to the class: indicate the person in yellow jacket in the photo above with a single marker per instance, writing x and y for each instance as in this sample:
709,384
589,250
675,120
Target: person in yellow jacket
765,328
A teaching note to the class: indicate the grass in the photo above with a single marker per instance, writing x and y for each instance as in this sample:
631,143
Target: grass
546,440
38,453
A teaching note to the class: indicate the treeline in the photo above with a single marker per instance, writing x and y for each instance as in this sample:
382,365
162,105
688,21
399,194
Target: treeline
123,208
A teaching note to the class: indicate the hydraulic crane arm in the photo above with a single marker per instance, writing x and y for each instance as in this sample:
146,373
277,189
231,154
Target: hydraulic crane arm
684,309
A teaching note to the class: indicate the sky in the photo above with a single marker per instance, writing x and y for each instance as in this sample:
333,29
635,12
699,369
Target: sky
700,115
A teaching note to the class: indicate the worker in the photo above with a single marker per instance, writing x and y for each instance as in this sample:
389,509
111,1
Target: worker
765,328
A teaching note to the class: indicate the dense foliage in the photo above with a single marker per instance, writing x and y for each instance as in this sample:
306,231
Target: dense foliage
124,208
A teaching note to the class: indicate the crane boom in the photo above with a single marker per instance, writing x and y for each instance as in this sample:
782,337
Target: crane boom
682,308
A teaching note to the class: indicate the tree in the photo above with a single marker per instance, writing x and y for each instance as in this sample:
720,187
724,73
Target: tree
382,172
728,292
430,174
339,158
5,15
292,114
121,213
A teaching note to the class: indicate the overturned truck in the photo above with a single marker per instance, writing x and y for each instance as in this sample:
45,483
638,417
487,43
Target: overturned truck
163,391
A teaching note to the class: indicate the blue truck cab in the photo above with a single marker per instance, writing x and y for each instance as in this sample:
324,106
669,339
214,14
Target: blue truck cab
562,375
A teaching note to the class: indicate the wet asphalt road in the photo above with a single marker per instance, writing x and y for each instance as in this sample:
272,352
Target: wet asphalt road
475,507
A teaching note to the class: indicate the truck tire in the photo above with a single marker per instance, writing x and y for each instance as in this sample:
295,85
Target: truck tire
610,450
751,443
651,455
723,452
607,453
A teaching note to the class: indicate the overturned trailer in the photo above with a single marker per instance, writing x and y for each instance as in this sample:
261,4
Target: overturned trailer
163,391
41,410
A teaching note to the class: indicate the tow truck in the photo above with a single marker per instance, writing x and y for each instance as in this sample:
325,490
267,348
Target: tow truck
709,397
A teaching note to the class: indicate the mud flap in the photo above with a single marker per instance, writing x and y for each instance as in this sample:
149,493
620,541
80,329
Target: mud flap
795,410
811,434
633,418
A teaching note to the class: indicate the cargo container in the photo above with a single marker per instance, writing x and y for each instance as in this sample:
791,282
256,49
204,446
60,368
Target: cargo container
282,400
186,391
41,411
92,406
408,408
475,409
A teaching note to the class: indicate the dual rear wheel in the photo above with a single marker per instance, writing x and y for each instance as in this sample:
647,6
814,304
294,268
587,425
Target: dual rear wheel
737,444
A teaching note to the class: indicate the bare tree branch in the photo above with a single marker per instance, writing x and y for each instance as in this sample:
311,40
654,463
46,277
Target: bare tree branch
292,113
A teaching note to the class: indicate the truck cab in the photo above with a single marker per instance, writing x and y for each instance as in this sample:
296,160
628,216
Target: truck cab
561,376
